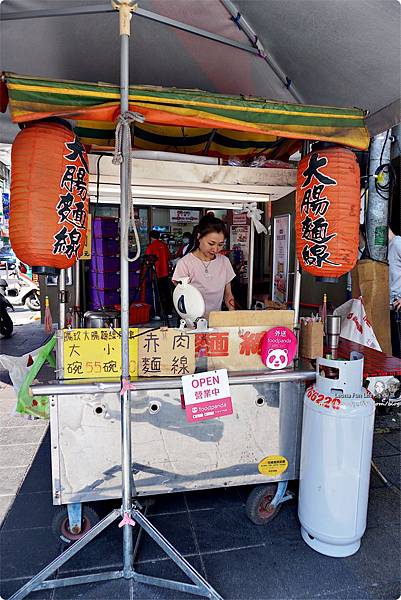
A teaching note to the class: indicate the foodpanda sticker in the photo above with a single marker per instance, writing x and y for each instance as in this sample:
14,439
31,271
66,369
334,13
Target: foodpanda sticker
279,346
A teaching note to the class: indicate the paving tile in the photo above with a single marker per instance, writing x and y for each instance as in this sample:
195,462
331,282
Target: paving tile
177,530
306,573
8,399
166,504
20,435
394,439
224,529
25,552
103,552
166,569
10,480
17,456
39,478
103,590
285,526
389,591
375,481
382,447
9,587
31,510
248,573
215,498
377,560
21,421
390,466
383,508
5,504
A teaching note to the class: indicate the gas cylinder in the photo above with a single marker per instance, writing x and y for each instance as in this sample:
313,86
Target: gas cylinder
336,450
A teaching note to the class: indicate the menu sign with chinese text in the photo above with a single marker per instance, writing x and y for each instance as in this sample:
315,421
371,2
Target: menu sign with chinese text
96,353
207,395
281,252
166,353
184,216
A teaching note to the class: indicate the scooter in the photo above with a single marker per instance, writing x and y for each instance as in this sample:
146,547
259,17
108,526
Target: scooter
6,324
20,289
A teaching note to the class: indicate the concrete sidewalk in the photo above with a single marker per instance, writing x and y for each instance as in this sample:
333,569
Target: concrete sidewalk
19,437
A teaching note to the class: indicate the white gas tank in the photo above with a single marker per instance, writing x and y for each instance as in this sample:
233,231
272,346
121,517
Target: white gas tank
336,451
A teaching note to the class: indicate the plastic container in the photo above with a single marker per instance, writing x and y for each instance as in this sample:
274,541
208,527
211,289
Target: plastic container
139,313
336,450
100,298
104,280
106,246
105,227
105,264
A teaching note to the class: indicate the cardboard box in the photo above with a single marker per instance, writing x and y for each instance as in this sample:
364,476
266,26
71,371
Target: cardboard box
311,339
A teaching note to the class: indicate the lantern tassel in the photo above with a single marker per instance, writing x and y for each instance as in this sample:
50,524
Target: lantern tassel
48,321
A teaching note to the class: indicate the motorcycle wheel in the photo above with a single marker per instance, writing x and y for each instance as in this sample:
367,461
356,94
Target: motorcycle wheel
6,324
33,301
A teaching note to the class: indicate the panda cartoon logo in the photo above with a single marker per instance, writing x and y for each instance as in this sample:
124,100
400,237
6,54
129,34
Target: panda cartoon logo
277,358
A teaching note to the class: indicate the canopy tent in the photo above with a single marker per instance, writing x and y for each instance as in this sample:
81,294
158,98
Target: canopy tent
315,51
191,120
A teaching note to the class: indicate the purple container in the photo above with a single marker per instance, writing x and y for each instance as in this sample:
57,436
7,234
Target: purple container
106,246
104,280
105,227
105,263
99,298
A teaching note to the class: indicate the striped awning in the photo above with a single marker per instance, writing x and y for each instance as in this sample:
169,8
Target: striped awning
190,121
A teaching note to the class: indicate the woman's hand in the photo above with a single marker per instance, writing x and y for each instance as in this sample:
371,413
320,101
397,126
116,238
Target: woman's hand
397,304
228,297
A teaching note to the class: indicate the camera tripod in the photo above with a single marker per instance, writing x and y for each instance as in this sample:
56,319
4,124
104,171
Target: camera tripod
148,268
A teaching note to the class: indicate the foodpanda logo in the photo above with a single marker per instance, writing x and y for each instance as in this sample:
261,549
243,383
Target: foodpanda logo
194,410
277,358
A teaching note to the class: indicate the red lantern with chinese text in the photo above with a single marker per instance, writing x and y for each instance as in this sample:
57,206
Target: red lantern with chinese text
327,212
49,196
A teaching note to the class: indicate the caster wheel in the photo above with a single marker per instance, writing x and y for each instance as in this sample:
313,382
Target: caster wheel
61,526
258,505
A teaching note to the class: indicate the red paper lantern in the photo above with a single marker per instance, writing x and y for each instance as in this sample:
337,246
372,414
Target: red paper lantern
49,196
327,212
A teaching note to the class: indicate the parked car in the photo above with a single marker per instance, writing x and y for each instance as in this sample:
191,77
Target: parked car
8,257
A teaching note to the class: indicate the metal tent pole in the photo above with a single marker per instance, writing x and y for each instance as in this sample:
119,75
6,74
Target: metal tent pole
296,293
251,260
62,299
125,9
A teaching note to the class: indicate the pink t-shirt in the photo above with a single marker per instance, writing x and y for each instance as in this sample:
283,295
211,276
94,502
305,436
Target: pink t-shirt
210,278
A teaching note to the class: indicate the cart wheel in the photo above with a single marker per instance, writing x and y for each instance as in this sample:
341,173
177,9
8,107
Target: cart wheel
61,526
258,505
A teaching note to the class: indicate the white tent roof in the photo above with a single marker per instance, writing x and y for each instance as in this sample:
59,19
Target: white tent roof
335,52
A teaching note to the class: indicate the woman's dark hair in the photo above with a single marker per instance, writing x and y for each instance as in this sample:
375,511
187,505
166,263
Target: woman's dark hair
209,224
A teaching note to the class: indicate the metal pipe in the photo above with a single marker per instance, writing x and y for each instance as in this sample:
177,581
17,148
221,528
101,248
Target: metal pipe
296,292
254,39
166,384
125,8
62,299
378,197
251,259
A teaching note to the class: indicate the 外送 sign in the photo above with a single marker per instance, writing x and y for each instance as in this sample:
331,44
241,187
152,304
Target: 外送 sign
207,395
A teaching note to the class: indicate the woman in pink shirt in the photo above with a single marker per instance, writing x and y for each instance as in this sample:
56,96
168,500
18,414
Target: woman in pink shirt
208,270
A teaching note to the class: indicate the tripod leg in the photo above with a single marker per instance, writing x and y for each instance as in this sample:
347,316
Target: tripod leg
163,314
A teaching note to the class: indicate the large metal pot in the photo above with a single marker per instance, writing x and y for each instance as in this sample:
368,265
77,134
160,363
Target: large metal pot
101,318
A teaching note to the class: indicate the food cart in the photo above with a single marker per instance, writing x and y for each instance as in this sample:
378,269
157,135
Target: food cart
144,417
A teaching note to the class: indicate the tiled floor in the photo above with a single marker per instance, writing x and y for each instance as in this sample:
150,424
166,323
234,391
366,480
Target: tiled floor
241,560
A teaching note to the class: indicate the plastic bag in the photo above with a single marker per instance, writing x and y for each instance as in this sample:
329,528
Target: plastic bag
355,325
23,370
